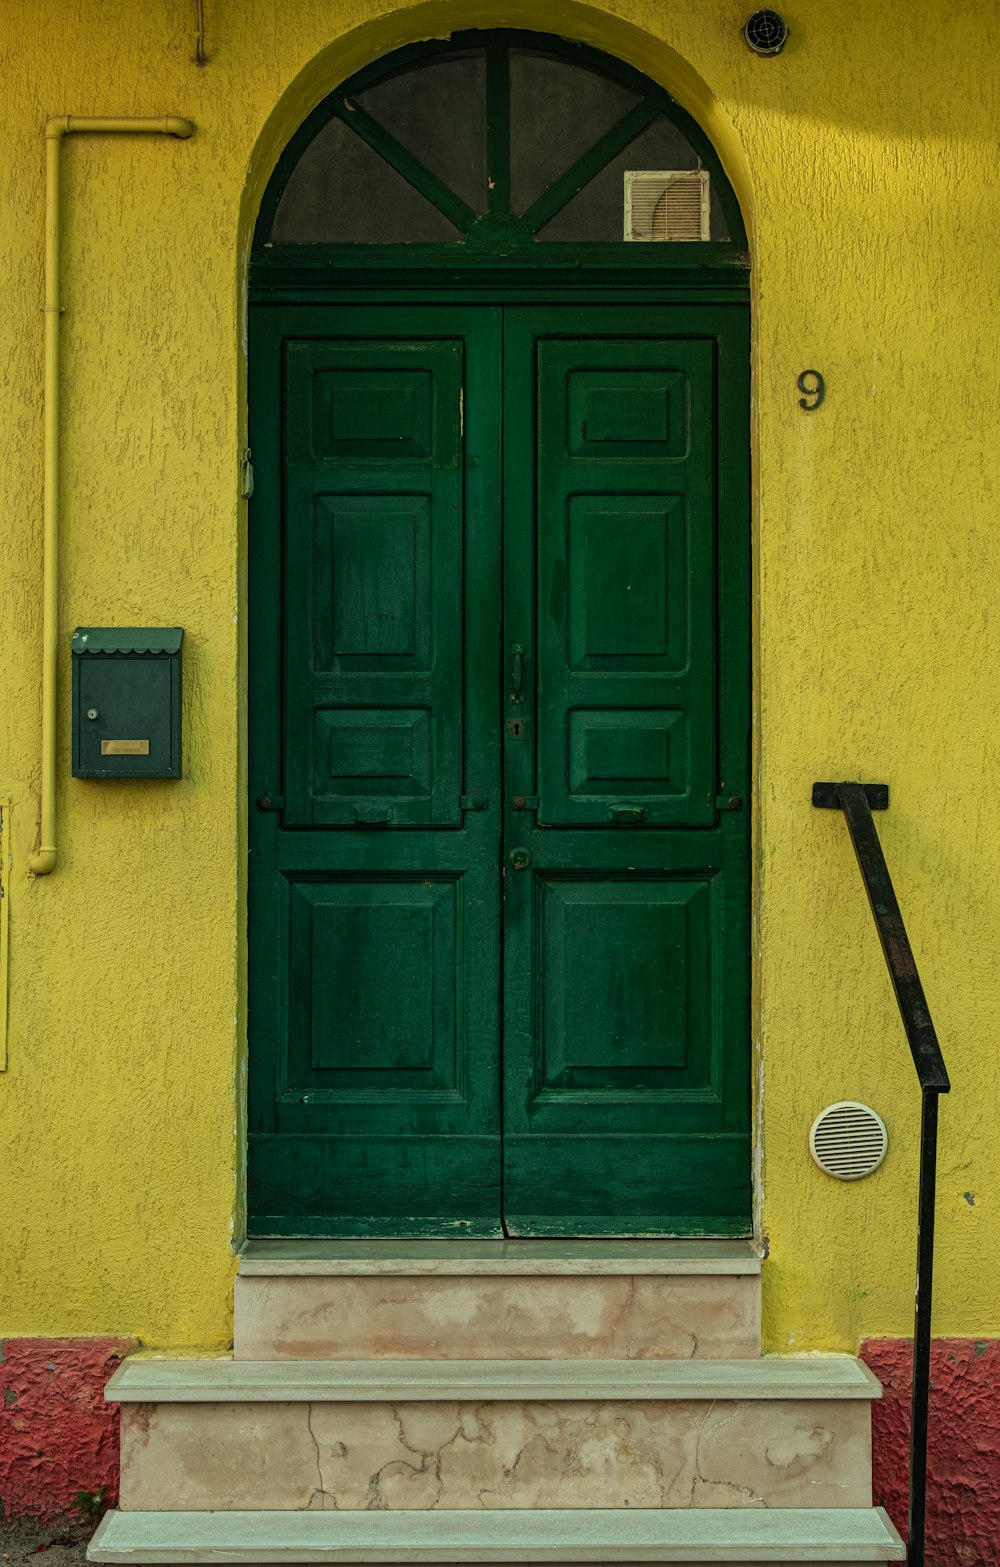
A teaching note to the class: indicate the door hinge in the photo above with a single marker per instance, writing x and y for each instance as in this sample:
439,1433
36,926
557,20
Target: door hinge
246,475
473,802
525,802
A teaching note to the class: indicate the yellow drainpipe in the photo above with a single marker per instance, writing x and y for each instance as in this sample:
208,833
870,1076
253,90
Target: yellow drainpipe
44,859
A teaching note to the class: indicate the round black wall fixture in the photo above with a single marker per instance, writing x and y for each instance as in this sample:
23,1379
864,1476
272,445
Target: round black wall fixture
766,32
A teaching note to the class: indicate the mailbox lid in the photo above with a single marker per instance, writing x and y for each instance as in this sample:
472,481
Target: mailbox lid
129,679
141,640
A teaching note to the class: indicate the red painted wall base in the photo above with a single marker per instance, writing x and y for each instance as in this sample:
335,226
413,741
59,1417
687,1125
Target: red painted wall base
963,1486
57,1435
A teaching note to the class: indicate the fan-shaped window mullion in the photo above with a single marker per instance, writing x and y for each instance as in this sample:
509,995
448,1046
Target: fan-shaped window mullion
586,168
370,203
437,110
660,156
406,164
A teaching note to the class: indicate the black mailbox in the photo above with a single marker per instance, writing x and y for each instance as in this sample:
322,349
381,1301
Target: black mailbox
127,702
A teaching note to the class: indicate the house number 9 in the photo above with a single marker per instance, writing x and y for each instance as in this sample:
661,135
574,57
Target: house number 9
811,383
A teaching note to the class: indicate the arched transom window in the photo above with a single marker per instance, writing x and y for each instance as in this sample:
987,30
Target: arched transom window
499,142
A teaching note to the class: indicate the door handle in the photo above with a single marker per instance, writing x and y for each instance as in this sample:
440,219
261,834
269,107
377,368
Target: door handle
624,814
520,859
370,815
517,674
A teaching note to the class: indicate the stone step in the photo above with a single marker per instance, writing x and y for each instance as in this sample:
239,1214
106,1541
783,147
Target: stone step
149,1380
421,1435
526,1300
796,1536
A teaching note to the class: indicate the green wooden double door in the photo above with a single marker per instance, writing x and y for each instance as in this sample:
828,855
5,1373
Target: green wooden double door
499,880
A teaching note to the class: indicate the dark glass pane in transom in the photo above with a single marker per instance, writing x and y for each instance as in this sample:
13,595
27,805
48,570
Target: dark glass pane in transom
341,192
558,110
437,110
597,212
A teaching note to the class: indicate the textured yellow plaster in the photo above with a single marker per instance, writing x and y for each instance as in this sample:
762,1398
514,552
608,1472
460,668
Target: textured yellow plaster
865,159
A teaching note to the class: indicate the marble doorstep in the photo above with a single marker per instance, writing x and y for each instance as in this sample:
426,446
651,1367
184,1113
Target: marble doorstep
835,1538
147,1380
302,1258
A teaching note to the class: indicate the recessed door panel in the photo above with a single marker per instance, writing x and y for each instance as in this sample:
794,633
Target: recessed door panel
373,585
352,1033
625,998
374,541
620,411
379,412
626,604
625,557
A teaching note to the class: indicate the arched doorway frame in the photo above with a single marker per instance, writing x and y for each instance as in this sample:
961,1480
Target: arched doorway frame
336,63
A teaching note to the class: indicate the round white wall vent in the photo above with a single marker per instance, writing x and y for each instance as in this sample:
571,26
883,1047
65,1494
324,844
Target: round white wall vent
848,1140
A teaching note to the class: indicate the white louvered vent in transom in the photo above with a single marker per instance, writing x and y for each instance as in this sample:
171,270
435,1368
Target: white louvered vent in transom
672,204
848,1140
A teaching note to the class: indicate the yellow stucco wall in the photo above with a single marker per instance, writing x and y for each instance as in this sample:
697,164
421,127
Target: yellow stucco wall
866,156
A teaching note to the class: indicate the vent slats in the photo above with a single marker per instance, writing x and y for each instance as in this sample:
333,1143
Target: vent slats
848,1140
667,204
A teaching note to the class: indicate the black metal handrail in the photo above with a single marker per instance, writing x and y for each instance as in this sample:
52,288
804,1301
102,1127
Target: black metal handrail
857,801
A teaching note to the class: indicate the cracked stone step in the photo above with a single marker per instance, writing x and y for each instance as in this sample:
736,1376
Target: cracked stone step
516,1435
791,1536
528,1300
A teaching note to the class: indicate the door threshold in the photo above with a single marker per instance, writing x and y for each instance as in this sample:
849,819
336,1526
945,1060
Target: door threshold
515,1257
